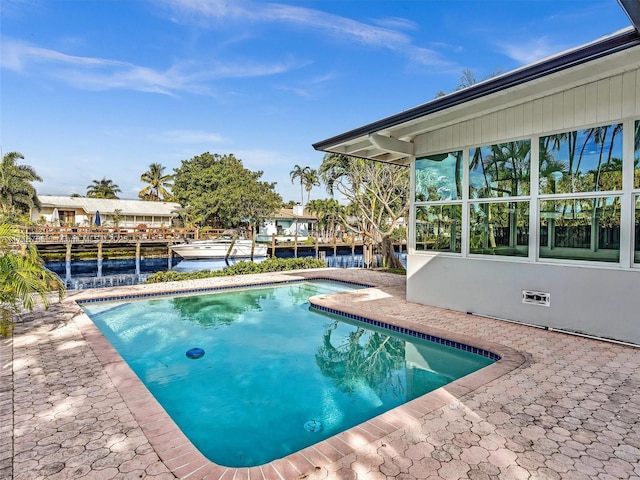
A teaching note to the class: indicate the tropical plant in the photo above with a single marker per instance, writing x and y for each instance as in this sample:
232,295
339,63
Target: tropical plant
505,168
269,265
298,173
17,194
361,356
378,197
117,217
23,278
310,179
158,183
327,211
104,188
218,191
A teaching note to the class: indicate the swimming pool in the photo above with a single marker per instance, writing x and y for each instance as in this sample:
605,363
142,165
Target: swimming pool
276,376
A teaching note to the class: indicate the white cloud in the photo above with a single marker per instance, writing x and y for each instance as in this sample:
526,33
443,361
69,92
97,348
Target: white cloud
390,35
396,23
530,51
104,74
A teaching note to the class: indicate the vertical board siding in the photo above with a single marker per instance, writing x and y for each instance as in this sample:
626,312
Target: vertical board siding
569,107
629,97
605,101
509,127
580,114
518,121
591,103
477,131
492,128
603,98
527,117
558,120
538,115
615,98
547,114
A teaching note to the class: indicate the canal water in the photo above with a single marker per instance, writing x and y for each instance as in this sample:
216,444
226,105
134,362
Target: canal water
124,271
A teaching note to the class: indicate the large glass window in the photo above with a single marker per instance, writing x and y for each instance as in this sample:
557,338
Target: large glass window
501,170
439,177
581,161
499,228
438,227
580,229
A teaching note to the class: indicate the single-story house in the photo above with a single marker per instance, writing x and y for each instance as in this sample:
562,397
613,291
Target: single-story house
525,190
285,224
83,211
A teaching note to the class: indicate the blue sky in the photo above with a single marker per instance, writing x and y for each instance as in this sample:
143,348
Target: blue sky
103,88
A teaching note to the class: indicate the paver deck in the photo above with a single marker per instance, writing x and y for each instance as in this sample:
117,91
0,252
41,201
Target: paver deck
556,406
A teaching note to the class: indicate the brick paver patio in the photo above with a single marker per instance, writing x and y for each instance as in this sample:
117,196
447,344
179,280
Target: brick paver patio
557,406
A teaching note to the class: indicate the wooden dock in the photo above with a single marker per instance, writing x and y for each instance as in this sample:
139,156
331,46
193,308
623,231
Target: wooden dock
68,240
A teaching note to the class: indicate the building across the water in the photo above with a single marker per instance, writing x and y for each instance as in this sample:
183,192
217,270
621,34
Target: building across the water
84,211
525,190
287,225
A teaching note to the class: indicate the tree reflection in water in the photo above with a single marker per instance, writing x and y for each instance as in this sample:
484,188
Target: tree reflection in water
221,309
366,356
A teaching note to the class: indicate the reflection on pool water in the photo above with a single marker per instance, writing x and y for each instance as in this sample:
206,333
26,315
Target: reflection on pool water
275,376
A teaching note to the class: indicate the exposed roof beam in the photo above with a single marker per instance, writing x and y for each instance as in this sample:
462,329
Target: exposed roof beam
354,148
632,8
391,144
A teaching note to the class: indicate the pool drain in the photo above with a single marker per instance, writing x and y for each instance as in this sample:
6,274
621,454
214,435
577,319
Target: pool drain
313,426
195,353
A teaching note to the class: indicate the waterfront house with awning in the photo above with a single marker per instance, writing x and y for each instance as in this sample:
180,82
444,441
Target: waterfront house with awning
525,190
81,211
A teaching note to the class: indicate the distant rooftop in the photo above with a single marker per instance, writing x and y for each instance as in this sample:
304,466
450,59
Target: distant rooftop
107,205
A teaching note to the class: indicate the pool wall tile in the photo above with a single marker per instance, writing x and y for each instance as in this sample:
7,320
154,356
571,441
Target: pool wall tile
406,331
178,292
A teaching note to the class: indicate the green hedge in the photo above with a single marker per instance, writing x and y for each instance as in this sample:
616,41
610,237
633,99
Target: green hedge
241,268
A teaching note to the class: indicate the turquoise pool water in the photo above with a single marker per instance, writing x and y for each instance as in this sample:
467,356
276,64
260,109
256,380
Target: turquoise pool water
276,376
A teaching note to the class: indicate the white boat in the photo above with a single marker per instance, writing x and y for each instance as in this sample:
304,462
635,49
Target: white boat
220,248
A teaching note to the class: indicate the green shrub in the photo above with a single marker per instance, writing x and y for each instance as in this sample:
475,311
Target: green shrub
241,268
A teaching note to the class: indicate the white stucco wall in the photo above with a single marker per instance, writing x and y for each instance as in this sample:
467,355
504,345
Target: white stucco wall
588,299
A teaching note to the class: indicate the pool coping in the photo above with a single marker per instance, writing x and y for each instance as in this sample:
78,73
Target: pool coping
185,461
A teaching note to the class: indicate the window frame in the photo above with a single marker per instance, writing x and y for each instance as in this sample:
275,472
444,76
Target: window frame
429,203
629,194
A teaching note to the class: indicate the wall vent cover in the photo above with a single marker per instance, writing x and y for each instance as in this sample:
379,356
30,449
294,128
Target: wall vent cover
536,298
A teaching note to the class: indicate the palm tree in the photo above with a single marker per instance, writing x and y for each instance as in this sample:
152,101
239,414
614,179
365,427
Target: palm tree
23,279
310,179
298,173
16,191
327,211
334,167
103,189
158,184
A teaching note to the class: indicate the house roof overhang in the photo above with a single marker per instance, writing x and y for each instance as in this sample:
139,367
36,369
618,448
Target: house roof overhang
106,206
391,139
632,9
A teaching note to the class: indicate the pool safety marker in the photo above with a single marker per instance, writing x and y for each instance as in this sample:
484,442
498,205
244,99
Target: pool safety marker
313,426
195,353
